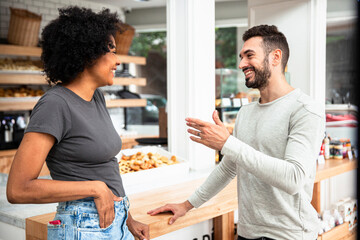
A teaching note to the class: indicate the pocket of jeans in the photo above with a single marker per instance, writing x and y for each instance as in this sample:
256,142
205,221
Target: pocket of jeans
56,232
91,222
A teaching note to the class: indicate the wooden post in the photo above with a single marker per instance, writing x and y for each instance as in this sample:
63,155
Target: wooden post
224,227
162,123
316,197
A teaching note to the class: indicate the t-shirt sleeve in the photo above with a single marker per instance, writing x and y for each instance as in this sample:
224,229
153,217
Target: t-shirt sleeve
50,115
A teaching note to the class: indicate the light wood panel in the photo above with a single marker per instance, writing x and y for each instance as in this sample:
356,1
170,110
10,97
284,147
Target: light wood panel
30,104
132,59
14,50
126,103
36,227
333,167
17,105
6,153
222,203
338,232
25,79
7,49
330,169
224,227
130,81
38,79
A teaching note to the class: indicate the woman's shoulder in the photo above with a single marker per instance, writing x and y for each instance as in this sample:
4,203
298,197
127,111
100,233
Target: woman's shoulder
53,100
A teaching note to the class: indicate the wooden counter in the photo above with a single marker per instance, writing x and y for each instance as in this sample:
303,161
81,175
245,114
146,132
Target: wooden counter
220,208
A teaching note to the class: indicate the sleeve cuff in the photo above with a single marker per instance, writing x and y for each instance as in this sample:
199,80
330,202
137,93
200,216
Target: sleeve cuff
230,145
195,200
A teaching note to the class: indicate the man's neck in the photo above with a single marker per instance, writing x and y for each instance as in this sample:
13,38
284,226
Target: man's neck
276,88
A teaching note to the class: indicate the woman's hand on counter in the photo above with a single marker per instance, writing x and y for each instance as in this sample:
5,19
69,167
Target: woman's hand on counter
104,200
178,209
209,134
138,229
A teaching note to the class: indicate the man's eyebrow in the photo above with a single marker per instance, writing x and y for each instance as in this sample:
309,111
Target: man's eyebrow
247,51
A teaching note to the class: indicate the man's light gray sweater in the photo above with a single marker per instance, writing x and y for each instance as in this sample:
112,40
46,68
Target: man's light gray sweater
273,152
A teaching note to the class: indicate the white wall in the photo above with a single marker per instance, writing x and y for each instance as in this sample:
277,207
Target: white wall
48,9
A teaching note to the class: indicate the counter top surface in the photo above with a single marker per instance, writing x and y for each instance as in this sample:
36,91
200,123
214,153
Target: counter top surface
15,214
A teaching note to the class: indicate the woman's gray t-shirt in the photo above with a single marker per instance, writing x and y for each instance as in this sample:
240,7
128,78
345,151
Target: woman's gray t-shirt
86,140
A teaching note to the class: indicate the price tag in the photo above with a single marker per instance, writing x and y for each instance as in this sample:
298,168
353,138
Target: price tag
237,102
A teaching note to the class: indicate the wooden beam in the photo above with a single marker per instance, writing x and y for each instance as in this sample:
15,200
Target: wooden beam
316,202
224,227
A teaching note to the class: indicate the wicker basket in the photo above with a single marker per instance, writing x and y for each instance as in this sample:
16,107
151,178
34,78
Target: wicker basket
24,27
124,38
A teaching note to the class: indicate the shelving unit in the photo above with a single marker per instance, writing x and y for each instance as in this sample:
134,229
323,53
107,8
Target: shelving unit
330,169
37,78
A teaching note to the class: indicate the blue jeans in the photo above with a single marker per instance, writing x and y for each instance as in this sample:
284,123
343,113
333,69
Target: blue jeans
80,221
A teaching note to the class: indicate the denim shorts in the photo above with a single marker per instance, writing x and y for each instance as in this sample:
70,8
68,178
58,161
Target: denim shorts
80,221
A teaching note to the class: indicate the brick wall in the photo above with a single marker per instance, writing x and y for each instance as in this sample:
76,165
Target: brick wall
48,9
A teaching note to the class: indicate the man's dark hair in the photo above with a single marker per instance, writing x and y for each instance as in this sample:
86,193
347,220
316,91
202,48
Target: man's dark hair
75,40
272,39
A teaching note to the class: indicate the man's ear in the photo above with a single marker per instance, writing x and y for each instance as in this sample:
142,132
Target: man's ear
276,57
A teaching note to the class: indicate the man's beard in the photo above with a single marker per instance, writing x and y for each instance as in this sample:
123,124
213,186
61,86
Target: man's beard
261,77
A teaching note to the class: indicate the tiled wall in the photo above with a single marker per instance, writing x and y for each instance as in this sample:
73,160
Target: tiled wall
48,9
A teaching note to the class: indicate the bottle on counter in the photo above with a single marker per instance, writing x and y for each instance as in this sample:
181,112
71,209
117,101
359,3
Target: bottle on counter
326,146
338,149
344,152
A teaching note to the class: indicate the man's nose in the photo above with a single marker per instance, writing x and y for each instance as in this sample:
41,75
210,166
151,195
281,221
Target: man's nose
242,64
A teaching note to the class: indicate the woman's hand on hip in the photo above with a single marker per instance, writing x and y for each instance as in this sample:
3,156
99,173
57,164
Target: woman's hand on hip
104,201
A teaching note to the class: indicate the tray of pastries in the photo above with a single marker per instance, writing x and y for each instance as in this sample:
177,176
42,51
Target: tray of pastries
149,163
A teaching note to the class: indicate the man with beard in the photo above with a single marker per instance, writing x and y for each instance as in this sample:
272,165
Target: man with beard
272,151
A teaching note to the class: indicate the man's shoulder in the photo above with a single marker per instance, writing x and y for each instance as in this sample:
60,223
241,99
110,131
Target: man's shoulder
309,105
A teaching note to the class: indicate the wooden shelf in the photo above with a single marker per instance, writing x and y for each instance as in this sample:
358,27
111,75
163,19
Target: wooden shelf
38,79
6,153
132,59
25,79
29,104
7,49
340,232
130,81
333,167
126,103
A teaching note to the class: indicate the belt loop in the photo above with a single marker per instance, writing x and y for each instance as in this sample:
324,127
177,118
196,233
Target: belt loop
126,203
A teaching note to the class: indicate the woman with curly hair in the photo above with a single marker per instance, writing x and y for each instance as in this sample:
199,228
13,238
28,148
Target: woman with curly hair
70,128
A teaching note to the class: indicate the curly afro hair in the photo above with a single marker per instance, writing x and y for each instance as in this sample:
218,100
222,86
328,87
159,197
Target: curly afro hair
75,40
272,39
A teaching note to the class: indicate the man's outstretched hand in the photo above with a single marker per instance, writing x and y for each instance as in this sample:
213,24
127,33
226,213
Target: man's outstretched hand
211,135
178,209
